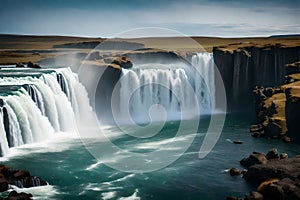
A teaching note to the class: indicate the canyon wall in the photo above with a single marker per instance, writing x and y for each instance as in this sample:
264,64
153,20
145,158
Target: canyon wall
242,67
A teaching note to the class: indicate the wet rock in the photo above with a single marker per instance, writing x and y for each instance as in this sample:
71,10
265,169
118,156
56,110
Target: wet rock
272,129
254,196
3,184
287,139
256,128
283,156
13,195
19,178
237,142
234,171
284,168
254,159
272,154
33,65
292,111
21,174
257,134
20,65
233,198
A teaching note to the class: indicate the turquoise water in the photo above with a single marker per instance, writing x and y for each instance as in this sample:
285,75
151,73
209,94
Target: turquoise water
73,173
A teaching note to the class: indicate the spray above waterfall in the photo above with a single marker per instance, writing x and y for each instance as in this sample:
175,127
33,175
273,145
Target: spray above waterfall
35,104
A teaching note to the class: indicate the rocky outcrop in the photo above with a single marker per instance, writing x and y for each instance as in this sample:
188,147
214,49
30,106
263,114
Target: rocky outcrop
292,112
292,68
277,111
153,56
19,178
242,68
33,65
13,195
276,178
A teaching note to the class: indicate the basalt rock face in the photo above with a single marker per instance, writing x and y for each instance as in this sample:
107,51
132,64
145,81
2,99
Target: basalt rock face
19,178
278,110
292,112
243,68
276,178
104,93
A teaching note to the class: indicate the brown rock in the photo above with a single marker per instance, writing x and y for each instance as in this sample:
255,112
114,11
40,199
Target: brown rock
254,196
257,134
234,171
254,159
283,156
284,168
3,184
20,65
256,128
33,65
237,142
123,62
21,174
287,139
272,154
13,195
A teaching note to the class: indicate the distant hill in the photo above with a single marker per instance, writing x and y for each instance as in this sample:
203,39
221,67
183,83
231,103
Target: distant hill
285,36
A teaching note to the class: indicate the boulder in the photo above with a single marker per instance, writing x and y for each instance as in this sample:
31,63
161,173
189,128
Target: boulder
21,174
33,65
3,184
253,160
257,134
13,195
254,196
272,129
237,142
234,171
283,168
272,154
256,128
20,65
283,156
287,139
19,178
123,62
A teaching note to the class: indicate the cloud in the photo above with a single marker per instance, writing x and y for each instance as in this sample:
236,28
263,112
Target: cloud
107,18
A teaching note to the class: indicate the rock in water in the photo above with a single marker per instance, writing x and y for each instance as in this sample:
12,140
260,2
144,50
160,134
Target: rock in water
237,142
254,159
272,154
13,195
33,65
283,156
287,139
254,196
19,178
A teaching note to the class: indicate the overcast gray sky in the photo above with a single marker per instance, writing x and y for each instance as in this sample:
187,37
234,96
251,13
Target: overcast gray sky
99,18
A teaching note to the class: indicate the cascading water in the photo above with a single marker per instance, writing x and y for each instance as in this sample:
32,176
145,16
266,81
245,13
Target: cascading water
151,86
37,103
204,62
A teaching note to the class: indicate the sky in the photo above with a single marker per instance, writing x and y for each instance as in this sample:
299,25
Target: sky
107,18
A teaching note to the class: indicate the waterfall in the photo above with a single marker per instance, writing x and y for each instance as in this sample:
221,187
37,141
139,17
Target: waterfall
179,90
205,65
36,104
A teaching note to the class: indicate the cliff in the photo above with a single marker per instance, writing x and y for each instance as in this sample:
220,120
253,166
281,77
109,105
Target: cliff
243,66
